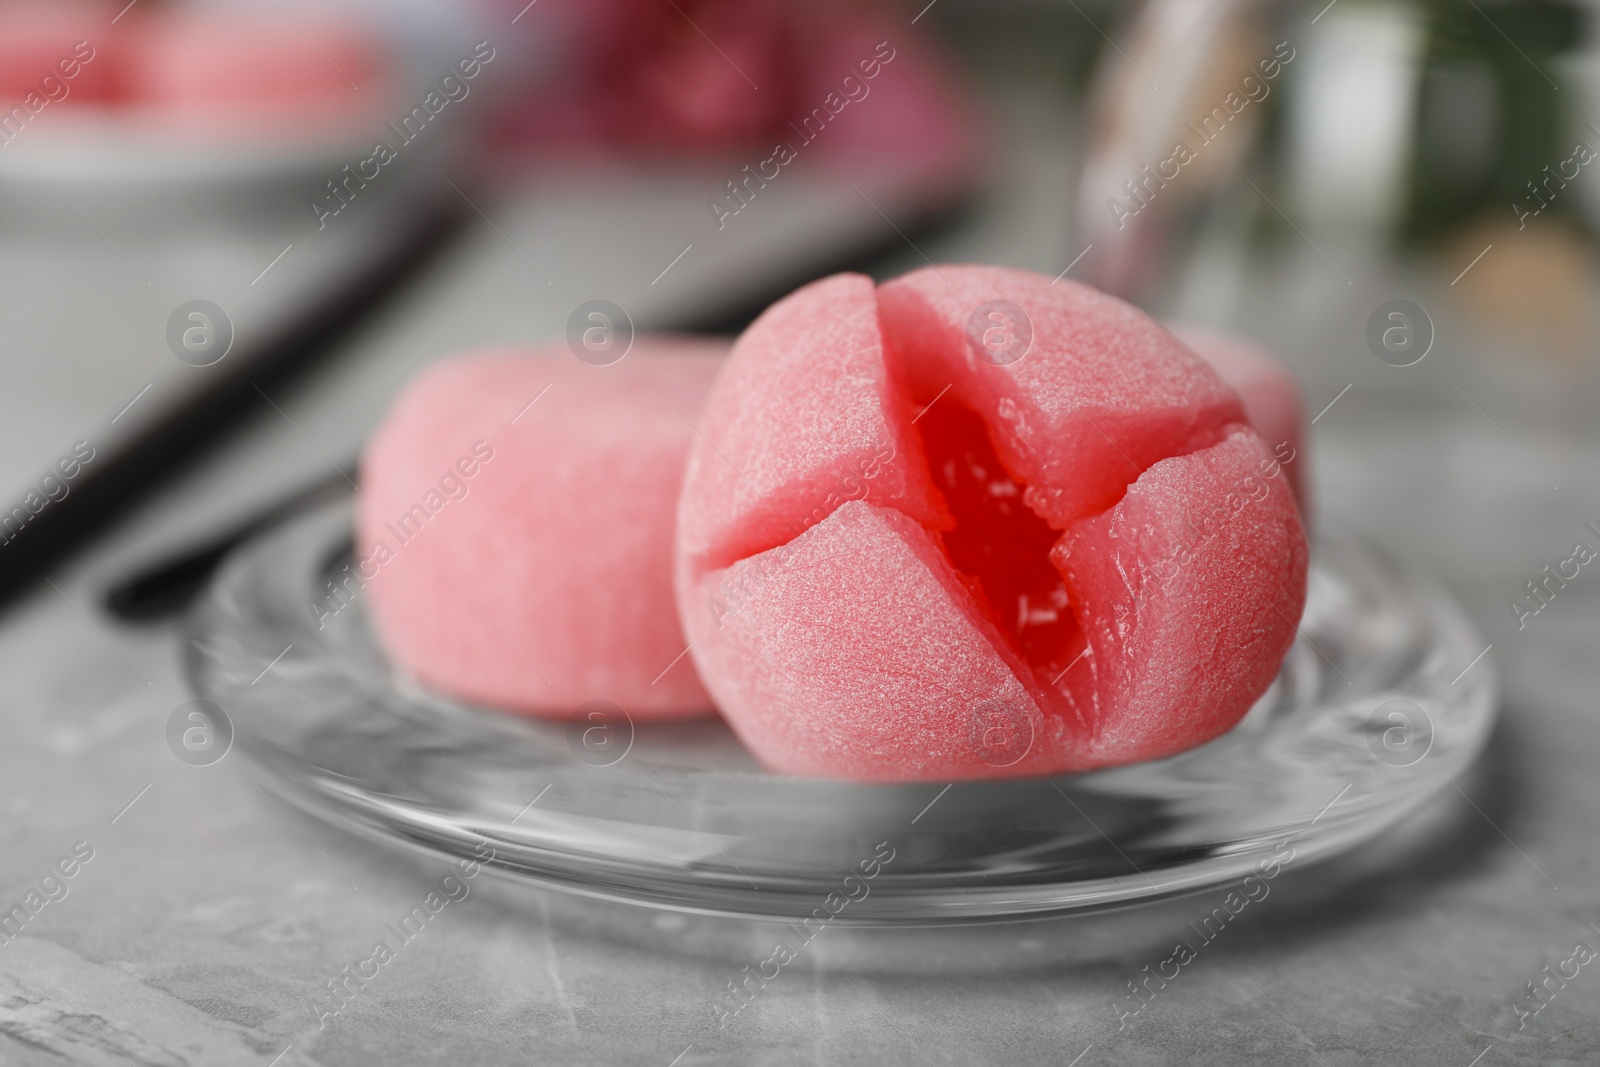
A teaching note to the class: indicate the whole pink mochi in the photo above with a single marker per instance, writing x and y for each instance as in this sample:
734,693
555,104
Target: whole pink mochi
514,527
974,523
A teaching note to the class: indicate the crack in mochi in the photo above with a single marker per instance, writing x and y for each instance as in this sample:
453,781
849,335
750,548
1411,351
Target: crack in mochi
1188,610
1000,548
1270,394
1022,451
1102,393
897,699
806,415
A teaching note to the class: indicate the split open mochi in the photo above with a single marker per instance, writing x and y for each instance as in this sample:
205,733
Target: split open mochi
973,523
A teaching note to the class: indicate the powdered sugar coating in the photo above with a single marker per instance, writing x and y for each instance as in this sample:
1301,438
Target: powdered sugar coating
805,417
854,651
1189,589
1102,393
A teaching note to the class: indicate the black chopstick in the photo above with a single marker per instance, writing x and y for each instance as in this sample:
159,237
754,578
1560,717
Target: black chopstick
116,480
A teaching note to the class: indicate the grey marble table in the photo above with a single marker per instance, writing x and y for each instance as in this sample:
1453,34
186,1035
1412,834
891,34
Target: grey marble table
202,922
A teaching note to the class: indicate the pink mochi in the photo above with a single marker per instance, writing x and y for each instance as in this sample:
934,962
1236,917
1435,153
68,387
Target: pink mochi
514,527
899,559
1272,400
239,64
60,52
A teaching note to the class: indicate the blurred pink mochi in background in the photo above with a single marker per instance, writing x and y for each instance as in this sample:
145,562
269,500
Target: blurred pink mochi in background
40,41
630,77
223,71
514,527
208,61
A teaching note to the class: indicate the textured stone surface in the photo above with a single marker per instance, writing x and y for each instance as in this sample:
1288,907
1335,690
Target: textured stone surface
206,925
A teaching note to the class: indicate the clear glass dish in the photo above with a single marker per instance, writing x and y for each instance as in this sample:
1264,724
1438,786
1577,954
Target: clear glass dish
1383,700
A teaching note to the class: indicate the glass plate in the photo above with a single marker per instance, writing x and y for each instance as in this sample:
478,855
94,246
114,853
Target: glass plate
1384,698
